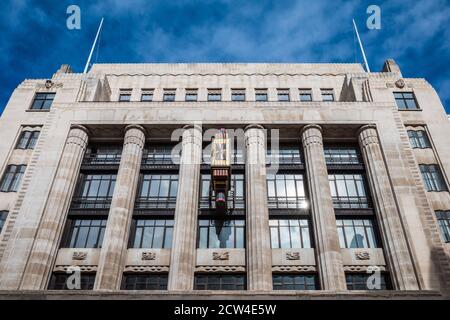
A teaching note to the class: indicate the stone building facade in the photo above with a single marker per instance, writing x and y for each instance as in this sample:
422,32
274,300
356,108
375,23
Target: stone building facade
339,183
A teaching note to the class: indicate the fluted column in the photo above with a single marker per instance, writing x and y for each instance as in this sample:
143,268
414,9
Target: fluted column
394,240
39,265
329,261
259,252
183,253
114,247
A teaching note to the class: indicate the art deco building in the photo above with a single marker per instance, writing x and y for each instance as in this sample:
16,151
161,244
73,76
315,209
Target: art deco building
323,181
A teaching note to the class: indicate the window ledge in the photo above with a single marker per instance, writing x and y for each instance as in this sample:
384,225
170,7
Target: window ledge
37,110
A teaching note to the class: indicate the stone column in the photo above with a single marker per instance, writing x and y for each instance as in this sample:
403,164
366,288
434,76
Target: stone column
329,261
394,240
259,251
183,253
114,247
39,266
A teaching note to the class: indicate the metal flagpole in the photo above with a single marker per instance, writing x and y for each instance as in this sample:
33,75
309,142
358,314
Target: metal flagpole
93,46
361,46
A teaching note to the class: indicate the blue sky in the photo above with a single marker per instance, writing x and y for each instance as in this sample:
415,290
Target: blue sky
34,39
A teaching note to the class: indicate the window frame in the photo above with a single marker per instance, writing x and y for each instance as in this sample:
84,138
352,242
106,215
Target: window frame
235,93
372,240
11,180
356,285
125,95
399,96
283,92
167,236
303,277
236,285
161,282
326,93
419,142
303,229
261,92
147,93
27,143
298,201
43,101
210,228
84,200
214,93
3,218
347,201
86,283
433,180
191,93
69,239
169,93
444,224
305,93
148,202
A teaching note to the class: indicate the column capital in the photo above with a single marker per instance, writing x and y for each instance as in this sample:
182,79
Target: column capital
368,135
193,126
254,126
133,137
137,127
367,127
80,127
311,126
78,135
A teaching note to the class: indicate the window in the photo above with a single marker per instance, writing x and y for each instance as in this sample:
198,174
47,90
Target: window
305,95
342,155
361,281
283,95
348,191
169,95
159,154
356,233
221,234
288,234
237,94
220,282
191,95
295,282
144,281
150,233
59,281
103,155
419,139
286,191
125,95
12,177
405,101
284,155
432,177
157,191
95,191
27,140
43,101
3,216
85,233
147,95
214,94
443,218
235,195
327,95
261,95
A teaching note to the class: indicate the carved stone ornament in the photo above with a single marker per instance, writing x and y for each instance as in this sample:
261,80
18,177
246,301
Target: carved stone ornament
221,255
292,255
362,255
148,256
79,255
400,83
49,84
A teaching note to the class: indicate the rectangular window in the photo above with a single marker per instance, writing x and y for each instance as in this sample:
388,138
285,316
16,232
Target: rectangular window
157,191
327,95
235,195
419,139
432,177
361,281
342,155
125,95
152,234
27,140
214,94
286,191
406,101
59,281
159,154
283,95
348,191
3,216
305,95
103,155
443,218
285,154
85,232
147,95
43,101
94,191
237,94
220,282
289,234
191,95
295,282
169,95
144,281
261,95
357,233
12,178
221,234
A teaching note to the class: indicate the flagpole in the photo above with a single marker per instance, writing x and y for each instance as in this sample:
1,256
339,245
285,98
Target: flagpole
361,46
93,47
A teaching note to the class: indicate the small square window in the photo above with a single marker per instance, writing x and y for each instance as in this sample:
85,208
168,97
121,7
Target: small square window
327,95
169,95
147,96
261,95
238,95
283,95
214,95
305,95
191,95
43,101
406,101
125,95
